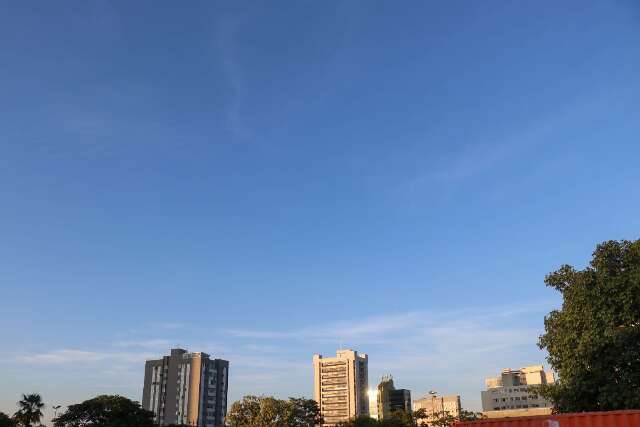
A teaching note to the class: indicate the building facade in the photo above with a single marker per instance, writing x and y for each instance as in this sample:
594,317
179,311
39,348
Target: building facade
389,399
340,386
434,404
513,390
186,388
513,413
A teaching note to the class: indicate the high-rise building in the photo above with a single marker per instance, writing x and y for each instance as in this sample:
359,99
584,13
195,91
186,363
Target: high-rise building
390,399
512,389
340,386
186,388
434,404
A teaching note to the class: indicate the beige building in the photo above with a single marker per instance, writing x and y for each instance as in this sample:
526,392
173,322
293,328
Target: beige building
434,404
510,413
512,390
340,386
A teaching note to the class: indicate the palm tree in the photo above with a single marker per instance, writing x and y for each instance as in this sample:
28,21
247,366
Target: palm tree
30,411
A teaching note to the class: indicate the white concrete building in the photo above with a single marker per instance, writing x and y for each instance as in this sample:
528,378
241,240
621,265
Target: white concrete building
434,404
512,389
341,386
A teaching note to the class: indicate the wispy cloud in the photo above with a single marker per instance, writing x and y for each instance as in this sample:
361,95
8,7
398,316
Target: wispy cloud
262,348
151,344
61,356
226,43
450,351
252,333
490,154
417,326
170,326
74,356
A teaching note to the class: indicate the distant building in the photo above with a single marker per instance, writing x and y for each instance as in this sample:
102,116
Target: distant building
434,404
513,390
186,388
510,413
340,386
390,399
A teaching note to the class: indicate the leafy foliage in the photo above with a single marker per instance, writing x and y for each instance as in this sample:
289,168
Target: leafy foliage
419,418
260,411
470,416
30,411
303,412
105,411
594,339
361,421
6,421
441,419
446,419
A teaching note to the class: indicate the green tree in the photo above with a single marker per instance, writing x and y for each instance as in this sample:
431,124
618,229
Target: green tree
30,412
262,411
399,419
245,412
470,416
396,419
255,411
303,413
6,421
361,421
593,341
105,411
441,419
444,418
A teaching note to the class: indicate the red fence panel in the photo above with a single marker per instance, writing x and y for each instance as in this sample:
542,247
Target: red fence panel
582,419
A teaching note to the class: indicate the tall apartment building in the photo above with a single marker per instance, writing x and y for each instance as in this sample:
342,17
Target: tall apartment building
340,386
512,389
186,388
390,399
434,404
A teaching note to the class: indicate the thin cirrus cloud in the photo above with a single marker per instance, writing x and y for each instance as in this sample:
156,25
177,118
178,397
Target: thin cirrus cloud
482,330
450,350
414,327
478,158
171,326
151,344
226,45
66,356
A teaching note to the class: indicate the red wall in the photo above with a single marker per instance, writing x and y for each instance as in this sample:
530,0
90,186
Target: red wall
583,419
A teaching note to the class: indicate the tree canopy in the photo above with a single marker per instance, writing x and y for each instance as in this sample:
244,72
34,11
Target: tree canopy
419,418
105,411
261,411
594,339
30,411
6,421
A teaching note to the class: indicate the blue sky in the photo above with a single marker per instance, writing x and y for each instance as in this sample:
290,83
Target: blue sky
264,183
